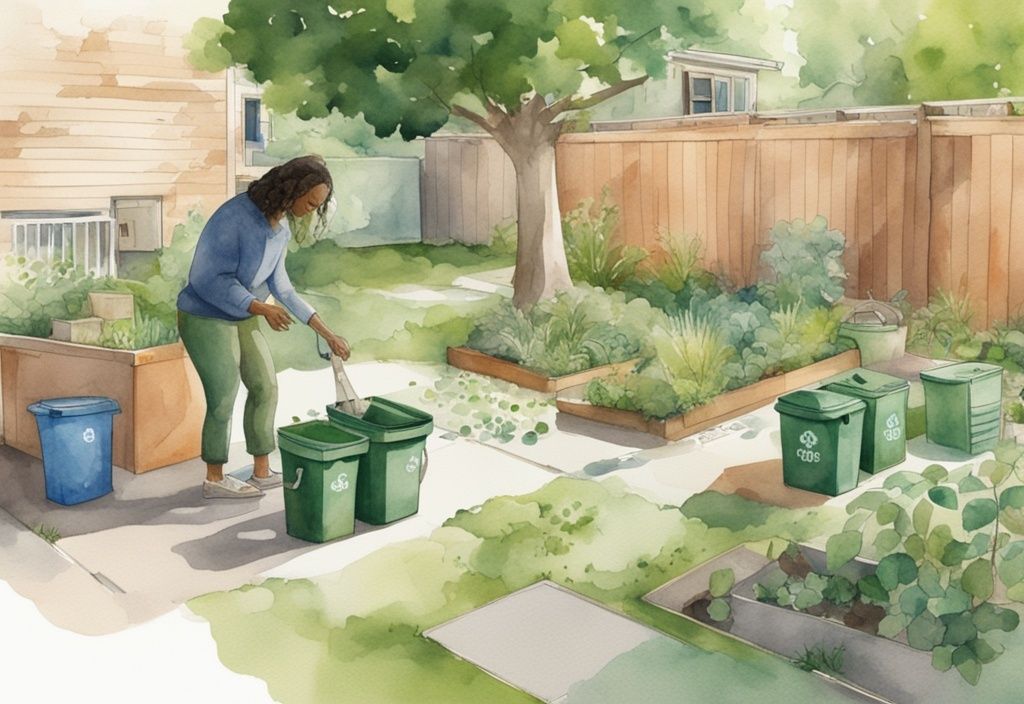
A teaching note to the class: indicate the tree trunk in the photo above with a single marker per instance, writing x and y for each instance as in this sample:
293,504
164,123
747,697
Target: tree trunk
541,268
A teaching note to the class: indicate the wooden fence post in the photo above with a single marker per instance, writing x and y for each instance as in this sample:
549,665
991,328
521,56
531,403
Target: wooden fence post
919,287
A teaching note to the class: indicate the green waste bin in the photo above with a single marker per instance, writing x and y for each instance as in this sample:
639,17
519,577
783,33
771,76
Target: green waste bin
821,437
391,471
963,403
884,440
320,466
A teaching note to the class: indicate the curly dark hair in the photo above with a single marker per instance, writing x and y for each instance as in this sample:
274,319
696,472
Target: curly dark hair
277,189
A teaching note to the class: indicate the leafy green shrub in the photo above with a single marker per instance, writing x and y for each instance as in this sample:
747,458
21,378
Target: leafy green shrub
504,239
806,263
822,659
681,259
943,324
948,545
575,330
33,293
592,256
1015,413
646,392
693,354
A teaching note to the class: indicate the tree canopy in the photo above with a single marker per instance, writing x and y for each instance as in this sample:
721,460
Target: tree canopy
406,65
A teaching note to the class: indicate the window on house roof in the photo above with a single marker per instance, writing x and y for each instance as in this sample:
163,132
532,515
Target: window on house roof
710,92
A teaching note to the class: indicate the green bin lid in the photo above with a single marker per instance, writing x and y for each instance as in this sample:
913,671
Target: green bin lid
864,383
385,421
961,372
866,327
817,404
321,440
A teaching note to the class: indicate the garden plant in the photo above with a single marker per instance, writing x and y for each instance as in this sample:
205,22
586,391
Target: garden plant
948,552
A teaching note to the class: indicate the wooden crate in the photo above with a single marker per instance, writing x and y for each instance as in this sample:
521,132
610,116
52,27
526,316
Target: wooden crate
84,330
112,306
473,361
723,408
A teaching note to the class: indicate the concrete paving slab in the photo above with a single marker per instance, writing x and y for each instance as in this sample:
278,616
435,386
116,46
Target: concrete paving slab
542,639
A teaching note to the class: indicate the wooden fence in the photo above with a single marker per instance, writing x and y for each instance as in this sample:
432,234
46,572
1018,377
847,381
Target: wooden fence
927,204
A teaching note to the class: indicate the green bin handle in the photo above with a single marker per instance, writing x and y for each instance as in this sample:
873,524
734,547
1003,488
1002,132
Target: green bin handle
423,466
298,480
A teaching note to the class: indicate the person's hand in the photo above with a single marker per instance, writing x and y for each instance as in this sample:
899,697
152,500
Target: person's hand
277,317
338,345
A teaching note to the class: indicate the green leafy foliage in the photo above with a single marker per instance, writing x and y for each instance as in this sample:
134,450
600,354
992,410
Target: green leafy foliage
721,582
822,659
575,330
943,325
806,263
593,256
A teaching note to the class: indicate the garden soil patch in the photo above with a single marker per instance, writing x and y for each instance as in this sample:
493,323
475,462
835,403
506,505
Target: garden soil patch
762,481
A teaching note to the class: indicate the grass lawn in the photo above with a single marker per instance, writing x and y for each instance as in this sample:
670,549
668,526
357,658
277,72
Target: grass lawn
354,636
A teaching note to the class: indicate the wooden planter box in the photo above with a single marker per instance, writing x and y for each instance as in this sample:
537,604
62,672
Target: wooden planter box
472,361
161,398
723,408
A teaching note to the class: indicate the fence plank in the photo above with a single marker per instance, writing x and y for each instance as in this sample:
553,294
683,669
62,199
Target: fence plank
508,189
676,176
734,205
444,196
826,149
909,257
748,236
695,189
618,191
865,217
1015,293
961,213
783,155
837,213
711,204
723,193
798,179
648,205
429,191
632,197
879,226
481,204
813,181
920,285
939,273
895,179
766,205
496,163
661,192
1002,178
979,226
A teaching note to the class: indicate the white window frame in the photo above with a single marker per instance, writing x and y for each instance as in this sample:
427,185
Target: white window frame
715,76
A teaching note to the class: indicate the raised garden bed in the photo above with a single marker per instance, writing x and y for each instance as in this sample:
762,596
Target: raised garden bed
882,666
472,361
723,408
159,392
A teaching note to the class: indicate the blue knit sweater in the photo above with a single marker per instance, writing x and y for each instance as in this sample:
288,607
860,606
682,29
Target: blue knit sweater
228,256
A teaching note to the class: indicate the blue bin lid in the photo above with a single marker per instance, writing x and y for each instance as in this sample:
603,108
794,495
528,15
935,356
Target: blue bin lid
75,406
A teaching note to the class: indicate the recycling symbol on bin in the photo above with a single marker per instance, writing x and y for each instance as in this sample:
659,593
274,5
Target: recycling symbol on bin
340,484
809,439
89,435
413,465
892,428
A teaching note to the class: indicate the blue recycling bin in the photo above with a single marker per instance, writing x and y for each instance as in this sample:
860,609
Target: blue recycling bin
76,435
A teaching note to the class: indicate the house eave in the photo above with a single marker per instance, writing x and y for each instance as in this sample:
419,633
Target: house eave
713,60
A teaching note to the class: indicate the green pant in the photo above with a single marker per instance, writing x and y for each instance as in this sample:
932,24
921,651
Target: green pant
223,353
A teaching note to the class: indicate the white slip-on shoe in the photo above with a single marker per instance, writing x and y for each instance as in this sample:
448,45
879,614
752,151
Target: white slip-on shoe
271,482
229,488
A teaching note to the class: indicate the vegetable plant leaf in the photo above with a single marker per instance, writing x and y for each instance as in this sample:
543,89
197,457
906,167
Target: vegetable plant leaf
942,657
1012,498
935,473
977,579
994,471
841,548
871,588
894,570
719,610
955,601
887,513
923,517
721,582
913,602
989,617
970,484
979,513
925,632
960,629
943,496
869,500
886,541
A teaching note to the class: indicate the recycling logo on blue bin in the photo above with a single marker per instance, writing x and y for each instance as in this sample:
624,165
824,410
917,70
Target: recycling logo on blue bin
892,428
89,435
340,484
807,453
